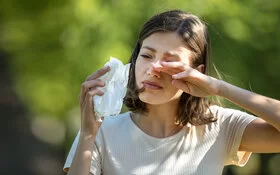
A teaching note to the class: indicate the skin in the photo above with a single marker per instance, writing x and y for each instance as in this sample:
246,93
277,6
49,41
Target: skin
164,69
192,81
89,126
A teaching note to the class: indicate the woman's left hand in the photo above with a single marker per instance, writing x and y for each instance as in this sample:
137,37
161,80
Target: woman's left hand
191,80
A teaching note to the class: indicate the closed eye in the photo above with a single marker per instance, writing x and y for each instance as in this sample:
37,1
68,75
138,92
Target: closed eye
146,56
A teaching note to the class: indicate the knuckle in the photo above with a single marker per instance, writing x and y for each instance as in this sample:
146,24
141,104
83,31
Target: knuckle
84,86
91,93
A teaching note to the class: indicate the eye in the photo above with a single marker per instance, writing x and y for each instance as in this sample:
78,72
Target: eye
146,56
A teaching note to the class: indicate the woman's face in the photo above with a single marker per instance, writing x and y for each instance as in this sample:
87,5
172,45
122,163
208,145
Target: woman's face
157,48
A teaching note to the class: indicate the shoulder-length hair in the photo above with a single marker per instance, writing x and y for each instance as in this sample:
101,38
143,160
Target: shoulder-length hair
194,33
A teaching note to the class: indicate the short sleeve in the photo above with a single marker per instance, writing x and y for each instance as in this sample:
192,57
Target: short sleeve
233,125
95,167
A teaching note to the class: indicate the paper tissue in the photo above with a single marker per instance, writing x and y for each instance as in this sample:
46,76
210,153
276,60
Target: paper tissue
114,91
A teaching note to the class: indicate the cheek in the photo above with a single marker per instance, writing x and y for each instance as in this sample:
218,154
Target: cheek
139,70
173,91
136,70
137,79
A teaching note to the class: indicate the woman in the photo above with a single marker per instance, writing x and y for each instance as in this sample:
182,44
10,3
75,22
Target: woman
171,127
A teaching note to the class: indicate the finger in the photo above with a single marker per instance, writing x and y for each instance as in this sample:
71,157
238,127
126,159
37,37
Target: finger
174,67
185,74
89,95
92,93
181,85
180,75
169,72
174,64
88,85
98,73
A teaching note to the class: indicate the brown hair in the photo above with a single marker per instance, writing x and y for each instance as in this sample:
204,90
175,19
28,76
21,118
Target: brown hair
194,32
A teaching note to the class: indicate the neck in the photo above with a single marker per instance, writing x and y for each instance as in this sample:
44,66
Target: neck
160,120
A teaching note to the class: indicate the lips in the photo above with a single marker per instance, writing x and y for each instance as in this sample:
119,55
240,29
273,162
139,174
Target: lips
151,85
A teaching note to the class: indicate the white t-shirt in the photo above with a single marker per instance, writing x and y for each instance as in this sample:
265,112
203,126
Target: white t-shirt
121,148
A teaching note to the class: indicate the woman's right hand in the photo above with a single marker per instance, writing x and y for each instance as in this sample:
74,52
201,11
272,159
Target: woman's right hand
89,125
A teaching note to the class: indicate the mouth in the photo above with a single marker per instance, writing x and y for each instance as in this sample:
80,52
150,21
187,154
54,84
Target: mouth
151,85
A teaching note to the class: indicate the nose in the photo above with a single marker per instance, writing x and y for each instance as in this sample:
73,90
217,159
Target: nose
156,65
154,69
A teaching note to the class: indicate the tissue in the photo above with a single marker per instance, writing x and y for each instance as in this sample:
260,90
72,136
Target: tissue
114,91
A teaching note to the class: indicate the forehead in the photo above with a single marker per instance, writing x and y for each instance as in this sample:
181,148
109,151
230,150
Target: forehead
166,42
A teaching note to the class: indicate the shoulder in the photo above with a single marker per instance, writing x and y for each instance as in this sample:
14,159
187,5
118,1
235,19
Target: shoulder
114,130
219,111
115,123
229,115
112,120
228,120
223,113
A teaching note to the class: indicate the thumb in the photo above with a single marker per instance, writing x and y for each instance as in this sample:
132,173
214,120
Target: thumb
181,85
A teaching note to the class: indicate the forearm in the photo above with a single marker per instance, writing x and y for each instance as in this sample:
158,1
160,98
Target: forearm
266,108
82,158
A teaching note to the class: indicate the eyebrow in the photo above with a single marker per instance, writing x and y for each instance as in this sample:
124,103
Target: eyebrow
172,54
149,48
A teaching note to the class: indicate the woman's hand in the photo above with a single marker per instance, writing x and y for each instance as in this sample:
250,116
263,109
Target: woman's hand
191,80
89,125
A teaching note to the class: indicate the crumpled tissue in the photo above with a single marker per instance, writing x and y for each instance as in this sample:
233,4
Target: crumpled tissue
114,91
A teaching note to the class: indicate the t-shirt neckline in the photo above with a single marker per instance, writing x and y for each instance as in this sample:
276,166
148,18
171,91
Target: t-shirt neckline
175,136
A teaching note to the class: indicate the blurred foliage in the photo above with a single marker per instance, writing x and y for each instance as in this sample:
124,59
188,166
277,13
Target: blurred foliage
55,44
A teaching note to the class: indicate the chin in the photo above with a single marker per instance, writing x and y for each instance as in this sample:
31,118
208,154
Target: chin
153,99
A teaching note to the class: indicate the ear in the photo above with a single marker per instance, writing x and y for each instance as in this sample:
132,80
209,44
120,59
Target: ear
201,68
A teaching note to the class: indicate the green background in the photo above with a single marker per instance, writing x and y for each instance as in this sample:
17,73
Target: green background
49,47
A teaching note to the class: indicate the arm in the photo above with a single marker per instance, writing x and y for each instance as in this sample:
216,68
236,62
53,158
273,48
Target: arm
263,134
82,158
266,108
89,126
